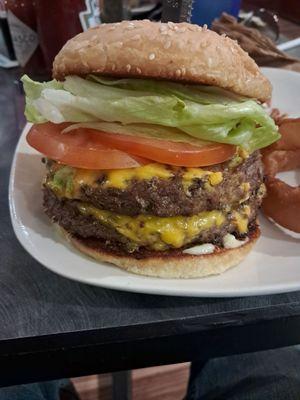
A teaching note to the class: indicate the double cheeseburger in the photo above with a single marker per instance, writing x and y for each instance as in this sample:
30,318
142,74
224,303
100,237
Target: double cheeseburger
151,135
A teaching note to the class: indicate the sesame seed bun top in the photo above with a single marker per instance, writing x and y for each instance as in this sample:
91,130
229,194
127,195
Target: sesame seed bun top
177,52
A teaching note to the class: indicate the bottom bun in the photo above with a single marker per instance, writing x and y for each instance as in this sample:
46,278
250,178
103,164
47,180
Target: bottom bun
173,264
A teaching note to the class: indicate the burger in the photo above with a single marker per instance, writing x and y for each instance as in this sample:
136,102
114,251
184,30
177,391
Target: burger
151,134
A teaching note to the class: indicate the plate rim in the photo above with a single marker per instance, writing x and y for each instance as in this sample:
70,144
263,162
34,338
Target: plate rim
273,288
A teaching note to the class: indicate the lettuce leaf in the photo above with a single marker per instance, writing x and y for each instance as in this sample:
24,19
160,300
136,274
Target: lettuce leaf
195,111
197,93
157,132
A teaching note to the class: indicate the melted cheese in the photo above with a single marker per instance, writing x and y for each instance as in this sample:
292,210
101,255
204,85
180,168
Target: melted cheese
245,186
215,178
241,221
262,190
240,156
243,153
247,210
120,178
194,173
158,233
212,178
86,177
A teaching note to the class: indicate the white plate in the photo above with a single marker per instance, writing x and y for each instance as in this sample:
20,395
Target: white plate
272,267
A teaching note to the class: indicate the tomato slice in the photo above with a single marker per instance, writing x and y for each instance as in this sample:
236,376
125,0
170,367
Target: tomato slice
80,148
167,152
93,149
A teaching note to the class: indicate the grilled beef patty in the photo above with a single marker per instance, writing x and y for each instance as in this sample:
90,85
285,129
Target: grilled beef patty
170,197
65,212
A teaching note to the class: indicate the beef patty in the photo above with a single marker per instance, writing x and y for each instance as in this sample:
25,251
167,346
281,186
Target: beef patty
67,214
171,197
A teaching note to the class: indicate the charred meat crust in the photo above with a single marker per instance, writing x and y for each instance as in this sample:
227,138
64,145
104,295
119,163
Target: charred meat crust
113,247
65,212
169,198
163,198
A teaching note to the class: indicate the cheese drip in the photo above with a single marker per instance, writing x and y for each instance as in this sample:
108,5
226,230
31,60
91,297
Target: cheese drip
157,233
67,181
162,233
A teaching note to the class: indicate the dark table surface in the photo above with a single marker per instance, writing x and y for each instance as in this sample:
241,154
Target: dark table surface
52,327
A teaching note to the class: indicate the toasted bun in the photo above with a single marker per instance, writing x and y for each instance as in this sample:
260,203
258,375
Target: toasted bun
170,266
178,52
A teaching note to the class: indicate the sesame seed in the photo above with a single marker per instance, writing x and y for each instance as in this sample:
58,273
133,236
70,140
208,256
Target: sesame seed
205,27
165,33
138,70
151,56
128,67
181,30
162,28
178,72
113,67
136,37
176,28
183,71
130,26
170,24
167,45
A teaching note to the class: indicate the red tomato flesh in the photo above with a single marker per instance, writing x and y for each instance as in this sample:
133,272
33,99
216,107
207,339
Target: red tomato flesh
167,152
78,149
92,149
